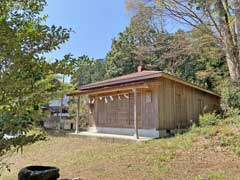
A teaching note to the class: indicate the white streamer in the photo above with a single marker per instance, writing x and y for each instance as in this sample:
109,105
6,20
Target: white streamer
111,98
106,101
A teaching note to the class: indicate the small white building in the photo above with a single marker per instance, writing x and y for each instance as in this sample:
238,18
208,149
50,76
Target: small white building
53,118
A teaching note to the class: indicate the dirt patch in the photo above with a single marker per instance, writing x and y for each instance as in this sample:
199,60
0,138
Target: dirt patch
202,159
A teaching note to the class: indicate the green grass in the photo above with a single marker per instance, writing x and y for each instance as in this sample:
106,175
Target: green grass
218,175
229,133
226,132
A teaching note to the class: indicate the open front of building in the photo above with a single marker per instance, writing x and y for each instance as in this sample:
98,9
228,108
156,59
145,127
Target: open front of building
114,112
148,104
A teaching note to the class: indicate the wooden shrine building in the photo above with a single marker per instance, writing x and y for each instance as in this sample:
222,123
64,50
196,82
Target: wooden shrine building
145,103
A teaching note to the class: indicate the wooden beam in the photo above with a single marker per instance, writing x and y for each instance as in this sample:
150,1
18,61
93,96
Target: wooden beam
78,115
135,112
110,90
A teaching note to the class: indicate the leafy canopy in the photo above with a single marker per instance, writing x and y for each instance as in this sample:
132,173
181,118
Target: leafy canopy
27,80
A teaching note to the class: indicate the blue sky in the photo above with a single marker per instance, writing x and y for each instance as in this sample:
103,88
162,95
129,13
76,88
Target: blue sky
95,23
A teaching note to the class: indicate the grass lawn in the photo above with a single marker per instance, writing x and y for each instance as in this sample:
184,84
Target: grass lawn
199,155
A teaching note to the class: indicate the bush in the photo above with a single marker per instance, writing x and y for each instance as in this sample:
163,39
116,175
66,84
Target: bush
208,119
232,117
232,112
230,95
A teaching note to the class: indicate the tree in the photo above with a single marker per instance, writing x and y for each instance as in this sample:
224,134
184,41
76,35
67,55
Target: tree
172,51
86,70
194,56
209,60
134,46
27,80
145,42
64,67
121,59
218,18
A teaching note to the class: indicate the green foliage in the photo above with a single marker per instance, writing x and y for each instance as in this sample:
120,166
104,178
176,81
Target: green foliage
232,142
211,16
206,64
64,66
122,59
27,79
230,93
218,175
72,110
197,178
86,70
230,137
208,119
232,116
193,56
222,131
135,46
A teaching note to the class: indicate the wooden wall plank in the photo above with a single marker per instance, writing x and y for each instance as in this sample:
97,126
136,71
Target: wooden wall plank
181,105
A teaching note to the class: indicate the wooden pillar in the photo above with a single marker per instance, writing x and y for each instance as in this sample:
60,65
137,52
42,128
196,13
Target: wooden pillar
78,114
135,112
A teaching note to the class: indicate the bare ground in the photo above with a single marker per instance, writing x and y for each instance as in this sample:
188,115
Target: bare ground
202,160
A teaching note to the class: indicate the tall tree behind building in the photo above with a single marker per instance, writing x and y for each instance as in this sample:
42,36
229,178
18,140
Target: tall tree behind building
218,18
86,70
191,55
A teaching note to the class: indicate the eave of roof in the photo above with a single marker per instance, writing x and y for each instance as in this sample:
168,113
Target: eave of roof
110,89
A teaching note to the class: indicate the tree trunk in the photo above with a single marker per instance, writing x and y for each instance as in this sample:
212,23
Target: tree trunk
237,16
237,22
233,65
231,47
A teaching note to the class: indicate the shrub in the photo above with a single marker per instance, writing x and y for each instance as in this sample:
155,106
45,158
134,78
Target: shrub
198,178
219,175
216,176
230,95
231,112
208,119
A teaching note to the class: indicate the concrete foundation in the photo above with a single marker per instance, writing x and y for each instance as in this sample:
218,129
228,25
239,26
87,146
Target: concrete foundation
109,137
152,133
